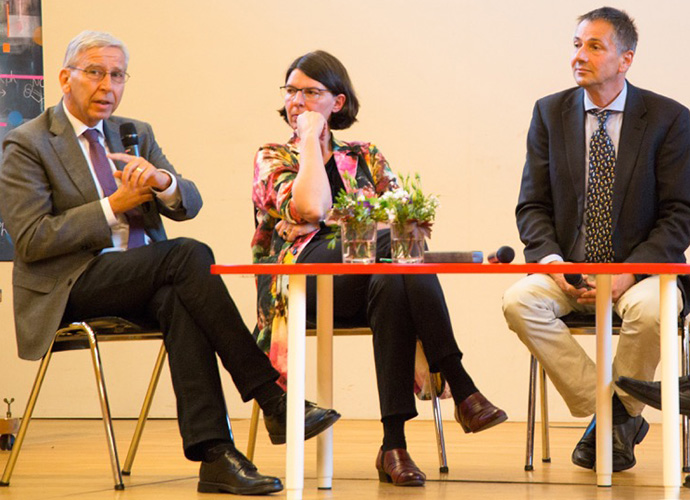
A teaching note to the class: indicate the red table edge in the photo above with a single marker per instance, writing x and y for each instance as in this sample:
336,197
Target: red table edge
451,268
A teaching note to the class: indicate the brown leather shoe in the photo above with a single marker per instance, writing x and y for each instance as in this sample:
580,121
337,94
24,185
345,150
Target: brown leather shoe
476,413
396,466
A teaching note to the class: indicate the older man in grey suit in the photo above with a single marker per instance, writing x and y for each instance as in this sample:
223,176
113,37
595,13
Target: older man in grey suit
85,218
605,180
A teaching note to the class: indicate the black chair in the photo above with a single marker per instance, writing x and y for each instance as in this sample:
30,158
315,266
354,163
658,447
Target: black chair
435,381
584,324
86,335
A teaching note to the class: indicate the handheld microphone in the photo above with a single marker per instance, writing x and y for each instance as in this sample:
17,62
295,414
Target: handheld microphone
504,255
130,139
576,280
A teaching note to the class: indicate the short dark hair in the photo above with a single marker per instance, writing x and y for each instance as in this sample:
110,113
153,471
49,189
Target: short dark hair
329,71
625,32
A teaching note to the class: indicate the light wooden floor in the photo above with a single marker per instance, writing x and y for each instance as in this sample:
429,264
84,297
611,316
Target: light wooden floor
68,459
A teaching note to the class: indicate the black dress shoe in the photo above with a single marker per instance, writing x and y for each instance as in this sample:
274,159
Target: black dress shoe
584,454
650,392
233,473
316,420
625,437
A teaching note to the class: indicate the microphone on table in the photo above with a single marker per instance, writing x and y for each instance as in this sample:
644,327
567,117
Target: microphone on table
576,280
504,255
130,139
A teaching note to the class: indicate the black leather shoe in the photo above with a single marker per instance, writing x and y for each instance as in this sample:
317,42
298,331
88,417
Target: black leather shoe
584,454
625,437
316,420
650,392
233,473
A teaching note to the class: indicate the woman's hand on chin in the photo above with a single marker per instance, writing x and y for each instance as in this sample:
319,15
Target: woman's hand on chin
311,124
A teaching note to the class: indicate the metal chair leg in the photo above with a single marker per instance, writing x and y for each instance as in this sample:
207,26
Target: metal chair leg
253,430
545,443
438,423
105,407
26,418
685,370
531,410
145,408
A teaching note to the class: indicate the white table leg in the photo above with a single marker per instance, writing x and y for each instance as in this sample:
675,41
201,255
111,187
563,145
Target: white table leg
604,449
294,460
324,379
668,311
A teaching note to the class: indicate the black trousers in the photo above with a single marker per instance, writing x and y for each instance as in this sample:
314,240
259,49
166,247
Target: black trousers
170,282
399,309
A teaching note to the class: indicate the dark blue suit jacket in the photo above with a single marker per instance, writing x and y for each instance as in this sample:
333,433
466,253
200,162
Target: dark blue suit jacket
651,200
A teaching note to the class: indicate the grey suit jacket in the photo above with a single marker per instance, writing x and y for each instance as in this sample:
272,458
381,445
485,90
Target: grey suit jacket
50,205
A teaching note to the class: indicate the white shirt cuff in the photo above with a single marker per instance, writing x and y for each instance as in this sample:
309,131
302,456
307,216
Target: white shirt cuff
554,257
108,212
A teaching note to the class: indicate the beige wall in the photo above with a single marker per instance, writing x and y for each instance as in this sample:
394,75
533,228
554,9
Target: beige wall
447,88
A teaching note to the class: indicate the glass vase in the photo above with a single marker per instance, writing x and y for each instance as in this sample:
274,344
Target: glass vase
407,243
358,241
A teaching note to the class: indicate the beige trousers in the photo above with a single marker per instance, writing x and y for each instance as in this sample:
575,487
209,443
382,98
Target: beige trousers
532,308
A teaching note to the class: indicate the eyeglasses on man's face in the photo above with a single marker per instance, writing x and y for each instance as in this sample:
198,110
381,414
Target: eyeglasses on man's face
96,74
309,93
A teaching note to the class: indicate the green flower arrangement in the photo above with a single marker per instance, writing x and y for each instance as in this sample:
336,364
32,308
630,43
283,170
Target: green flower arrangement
408,204
406,209
361,207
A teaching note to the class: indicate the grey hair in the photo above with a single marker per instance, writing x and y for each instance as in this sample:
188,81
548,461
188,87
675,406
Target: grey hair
89,39
624,29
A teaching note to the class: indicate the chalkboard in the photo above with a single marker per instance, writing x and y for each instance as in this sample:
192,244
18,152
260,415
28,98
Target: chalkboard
21,75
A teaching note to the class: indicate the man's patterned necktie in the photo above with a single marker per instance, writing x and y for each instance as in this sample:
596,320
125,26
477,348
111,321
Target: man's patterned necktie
602,161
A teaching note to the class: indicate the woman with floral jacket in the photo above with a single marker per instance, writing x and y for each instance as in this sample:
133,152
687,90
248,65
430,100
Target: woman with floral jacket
295,185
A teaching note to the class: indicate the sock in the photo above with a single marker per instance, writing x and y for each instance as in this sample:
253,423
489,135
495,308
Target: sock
268,396
393,433
460,382
620,414
213,449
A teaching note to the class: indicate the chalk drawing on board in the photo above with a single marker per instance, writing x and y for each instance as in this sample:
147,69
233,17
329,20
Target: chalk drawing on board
21,75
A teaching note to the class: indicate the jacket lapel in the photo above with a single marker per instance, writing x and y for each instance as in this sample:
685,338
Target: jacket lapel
632,131
573,121
345,161
69,153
